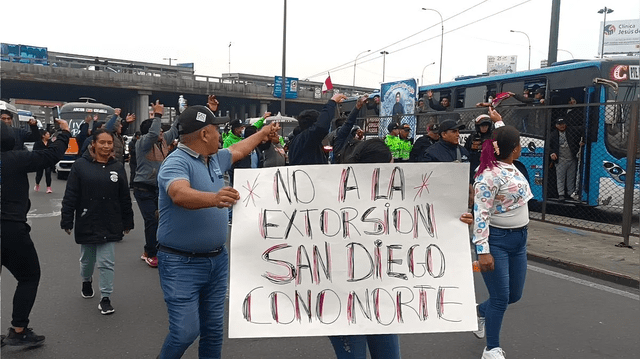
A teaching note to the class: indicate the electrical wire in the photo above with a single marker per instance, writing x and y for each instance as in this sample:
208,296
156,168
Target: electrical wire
348,65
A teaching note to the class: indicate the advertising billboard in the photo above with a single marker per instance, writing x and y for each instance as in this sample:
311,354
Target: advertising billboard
501,64
620,37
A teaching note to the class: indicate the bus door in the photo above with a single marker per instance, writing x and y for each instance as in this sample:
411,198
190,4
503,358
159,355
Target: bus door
591,121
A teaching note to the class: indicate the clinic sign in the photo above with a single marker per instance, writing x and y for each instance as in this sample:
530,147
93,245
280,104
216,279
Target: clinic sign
291,87
350,249
620,37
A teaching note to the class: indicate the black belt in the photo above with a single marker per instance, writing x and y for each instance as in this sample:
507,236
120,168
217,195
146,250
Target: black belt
519,229
213,253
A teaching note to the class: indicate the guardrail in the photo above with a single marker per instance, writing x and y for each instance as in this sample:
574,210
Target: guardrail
92,63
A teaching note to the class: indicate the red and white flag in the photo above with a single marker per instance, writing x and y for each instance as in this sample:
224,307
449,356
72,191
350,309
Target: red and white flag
327,85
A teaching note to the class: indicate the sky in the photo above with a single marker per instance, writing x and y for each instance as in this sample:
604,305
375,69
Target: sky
322,36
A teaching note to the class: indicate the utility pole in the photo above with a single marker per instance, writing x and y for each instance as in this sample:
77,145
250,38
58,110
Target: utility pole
552,56
284,60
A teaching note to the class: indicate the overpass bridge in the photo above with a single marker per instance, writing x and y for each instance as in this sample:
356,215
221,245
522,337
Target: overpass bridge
132,86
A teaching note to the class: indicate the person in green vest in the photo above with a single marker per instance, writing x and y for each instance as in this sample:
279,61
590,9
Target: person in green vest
394,142
235,134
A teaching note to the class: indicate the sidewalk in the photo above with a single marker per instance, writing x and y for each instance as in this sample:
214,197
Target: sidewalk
589,253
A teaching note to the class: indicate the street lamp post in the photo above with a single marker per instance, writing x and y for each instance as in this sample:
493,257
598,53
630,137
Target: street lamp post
441,40
567,51
604,11
422,77
384,54
529,41
354,68
229,57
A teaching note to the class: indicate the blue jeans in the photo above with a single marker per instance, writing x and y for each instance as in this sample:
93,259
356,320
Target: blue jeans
383,346
194,291
506,282
148,204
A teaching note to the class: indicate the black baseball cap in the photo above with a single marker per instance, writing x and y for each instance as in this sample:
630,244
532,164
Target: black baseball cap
393,126
197,117
449,125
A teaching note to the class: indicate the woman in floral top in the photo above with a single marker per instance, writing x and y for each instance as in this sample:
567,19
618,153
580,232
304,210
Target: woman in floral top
501,193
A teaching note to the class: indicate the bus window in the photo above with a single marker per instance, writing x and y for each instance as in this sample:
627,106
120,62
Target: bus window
515,87
475,95
460,96
439,95
617,126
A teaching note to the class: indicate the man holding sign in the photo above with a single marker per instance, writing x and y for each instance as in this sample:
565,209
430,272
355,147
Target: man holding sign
192,260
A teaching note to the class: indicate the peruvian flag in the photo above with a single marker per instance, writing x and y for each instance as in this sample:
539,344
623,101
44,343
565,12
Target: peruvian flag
327,84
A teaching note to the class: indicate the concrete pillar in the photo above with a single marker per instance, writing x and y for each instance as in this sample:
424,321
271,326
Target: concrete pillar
252,111
142,107
243,114
264,106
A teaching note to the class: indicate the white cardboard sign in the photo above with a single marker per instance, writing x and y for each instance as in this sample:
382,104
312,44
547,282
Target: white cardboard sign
351,249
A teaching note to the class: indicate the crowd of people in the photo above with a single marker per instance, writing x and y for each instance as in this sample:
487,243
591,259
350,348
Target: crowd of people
185,200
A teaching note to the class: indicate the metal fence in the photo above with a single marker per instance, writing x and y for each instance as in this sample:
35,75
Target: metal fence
585,170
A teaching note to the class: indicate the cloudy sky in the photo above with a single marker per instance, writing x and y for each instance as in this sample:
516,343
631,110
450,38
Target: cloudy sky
322,36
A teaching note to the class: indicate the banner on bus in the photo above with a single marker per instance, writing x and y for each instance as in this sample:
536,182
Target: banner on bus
620,37
351,249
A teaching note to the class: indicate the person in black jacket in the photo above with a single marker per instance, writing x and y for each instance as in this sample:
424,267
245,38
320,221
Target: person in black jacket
84,131
444,105
19,254
41,145
422,144
447,148
98,194
564,144
306,147
346,138
133,163
21,135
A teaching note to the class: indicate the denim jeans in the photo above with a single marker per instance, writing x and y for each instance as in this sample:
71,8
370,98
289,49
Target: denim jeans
506,282
148,204
105,255
194,291
383,346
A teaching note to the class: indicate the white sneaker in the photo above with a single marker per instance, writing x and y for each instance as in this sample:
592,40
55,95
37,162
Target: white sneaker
495,353
480,332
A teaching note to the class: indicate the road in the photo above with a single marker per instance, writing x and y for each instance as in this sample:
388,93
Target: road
561,315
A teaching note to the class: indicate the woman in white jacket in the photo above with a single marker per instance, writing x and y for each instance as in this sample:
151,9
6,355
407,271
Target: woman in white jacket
501,193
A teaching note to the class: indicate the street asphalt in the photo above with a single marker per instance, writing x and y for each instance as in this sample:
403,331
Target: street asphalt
563,329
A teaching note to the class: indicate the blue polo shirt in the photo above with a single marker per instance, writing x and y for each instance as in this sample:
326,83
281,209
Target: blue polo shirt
201,230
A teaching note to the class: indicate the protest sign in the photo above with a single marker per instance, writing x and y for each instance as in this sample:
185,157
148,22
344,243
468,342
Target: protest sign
351,249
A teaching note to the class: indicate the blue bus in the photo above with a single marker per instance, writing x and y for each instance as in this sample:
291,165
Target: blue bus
595,96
